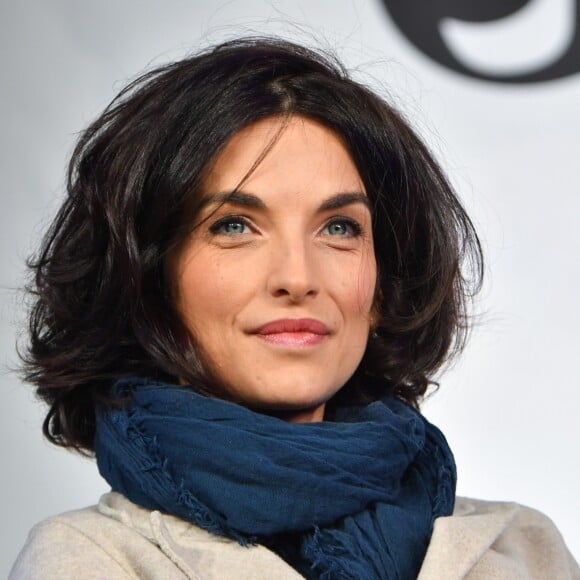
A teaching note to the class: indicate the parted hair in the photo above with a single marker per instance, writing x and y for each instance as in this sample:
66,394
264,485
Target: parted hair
102,305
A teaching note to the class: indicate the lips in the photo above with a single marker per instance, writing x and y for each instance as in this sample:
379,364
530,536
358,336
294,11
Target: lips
293,332
310,325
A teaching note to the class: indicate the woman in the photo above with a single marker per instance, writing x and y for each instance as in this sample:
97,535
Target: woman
254,277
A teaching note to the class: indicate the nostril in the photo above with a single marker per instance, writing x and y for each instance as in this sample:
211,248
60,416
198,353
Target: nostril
281,292
294,294
294,276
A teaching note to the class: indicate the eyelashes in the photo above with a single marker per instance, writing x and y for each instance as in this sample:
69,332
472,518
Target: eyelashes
237,225
231,225
343,227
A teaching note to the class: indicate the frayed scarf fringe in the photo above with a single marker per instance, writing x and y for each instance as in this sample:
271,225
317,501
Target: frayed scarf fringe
155,462
326,566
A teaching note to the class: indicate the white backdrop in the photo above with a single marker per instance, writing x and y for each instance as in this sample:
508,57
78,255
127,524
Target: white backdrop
509,407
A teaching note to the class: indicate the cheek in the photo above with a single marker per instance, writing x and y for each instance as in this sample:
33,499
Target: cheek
209,293
364,288
351,281
355,296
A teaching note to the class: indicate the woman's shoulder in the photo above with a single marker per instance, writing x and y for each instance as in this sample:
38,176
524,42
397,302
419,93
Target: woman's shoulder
491,539
117,539
85,543
70,545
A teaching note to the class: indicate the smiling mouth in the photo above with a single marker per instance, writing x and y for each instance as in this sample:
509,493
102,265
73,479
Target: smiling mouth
296,333
293,339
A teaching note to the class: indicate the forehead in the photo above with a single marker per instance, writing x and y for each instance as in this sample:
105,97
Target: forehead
284,155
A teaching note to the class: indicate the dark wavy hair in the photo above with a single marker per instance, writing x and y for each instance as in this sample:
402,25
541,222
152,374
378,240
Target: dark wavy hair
102,303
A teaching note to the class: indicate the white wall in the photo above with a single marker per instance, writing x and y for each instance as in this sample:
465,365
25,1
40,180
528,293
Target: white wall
509,408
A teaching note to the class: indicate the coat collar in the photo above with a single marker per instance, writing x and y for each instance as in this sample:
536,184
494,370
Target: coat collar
457,544
460,541
196,552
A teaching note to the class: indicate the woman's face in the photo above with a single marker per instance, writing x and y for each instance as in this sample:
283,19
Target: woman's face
277,281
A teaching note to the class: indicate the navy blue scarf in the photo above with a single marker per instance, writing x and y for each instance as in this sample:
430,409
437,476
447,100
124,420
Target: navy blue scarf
354,497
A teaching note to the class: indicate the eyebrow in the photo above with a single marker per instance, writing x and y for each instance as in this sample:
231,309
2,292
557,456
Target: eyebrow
233,197
342,199
250,200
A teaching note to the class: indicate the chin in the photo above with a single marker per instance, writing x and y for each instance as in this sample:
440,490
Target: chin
292,400
295,411
297,395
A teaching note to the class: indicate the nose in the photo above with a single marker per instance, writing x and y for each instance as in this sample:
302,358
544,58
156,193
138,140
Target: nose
294,273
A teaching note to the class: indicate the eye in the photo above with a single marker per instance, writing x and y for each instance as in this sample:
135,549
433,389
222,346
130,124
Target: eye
230,226
343,227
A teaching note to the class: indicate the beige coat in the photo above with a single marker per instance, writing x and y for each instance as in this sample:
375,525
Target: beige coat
118,540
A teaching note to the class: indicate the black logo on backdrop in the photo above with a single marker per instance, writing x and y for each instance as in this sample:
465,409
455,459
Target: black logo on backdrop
419,20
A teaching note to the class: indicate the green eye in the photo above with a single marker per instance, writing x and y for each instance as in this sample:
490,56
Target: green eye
337,229
230,226
343,228
233,228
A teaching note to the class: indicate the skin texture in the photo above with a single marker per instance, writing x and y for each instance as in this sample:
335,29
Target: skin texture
272,251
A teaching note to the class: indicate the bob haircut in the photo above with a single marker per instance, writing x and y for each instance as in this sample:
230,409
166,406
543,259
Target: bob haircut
102,306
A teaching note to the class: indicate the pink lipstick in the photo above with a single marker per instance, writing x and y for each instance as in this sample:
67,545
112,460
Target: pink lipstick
293,332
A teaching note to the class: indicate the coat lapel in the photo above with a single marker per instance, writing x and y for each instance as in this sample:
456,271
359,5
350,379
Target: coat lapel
198,554
460,541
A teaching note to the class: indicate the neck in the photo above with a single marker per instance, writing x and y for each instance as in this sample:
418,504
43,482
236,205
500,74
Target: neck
312,415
